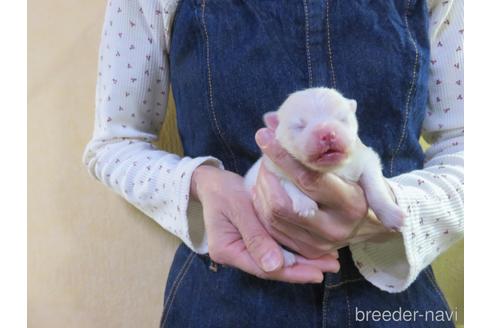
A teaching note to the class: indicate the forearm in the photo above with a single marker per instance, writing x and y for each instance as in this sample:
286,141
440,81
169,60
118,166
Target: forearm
131,101
433,197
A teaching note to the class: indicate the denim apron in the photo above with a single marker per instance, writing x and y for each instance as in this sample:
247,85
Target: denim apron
231,61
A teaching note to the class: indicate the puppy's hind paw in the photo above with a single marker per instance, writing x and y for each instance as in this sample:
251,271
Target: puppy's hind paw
308,213
289,258
305,207
392,217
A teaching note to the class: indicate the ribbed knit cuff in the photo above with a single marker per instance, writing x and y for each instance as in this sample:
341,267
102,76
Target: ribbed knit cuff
193,227
394,264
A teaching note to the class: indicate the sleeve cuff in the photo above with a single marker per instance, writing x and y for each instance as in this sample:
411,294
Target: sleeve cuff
193,232
393,265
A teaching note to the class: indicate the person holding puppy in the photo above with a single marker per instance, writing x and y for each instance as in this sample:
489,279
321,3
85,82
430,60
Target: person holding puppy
230,62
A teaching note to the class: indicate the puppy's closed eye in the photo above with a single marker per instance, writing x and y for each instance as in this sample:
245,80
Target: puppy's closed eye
298,125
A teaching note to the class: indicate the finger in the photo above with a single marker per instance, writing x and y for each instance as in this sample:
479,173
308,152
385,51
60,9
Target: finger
289,237
272,190
261,206
272,204
325,260
264,214
263,249
336,192
329,225
326,263
306,250
298,273
265,138
293,227
276,201
286,237
290,166
305,238
309,237
301,273
337,228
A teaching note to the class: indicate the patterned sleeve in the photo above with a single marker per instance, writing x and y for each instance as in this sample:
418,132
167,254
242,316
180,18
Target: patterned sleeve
433,196
131,100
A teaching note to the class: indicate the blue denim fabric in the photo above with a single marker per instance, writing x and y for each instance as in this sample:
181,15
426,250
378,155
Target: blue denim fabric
200,293
231,61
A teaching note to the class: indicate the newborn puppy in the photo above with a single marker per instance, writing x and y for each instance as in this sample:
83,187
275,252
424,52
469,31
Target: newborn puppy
318,127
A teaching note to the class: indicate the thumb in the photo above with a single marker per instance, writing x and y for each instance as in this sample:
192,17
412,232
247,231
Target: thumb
260,245
277,154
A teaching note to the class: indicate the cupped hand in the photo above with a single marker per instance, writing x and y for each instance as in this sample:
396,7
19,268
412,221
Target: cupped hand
236,237
343,214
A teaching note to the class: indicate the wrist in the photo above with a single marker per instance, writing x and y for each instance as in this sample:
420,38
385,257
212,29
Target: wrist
198,180
371,229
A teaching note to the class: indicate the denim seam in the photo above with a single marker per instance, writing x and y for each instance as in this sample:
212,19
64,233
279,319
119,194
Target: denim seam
210,89
349,324
436,288
175,286
324,309
410,90
344,282
308,50
330,52
327,287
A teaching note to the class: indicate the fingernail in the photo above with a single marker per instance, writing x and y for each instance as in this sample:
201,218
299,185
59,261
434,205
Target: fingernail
263,137
270,261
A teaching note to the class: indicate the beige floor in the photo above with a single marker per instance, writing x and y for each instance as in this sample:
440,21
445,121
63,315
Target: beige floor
93,260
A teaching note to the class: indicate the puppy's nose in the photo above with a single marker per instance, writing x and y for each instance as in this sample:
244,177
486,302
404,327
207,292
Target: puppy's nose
326,136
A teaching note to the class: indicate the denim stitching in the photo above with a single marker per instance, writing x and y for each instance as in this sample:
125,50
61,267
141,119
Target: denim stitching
175,286
344,282
210,89
436,288
410,91
348,311
330,53
324,310
308,50
327,287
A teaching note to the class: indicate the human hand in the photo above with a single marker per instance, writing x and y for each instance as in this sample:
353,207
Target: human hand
237,238
343,214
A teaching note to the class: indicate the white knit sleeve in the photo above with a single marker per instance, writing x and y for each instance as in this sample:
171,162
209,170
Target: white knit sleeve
131,100
433,196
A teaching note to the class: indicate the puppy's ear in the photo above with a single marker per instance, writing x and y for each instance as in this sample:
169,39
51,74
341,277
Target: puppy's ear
271,120
353,105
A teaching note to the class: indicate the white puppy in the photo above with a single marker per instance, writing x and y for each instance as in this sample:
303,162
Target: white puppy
318,127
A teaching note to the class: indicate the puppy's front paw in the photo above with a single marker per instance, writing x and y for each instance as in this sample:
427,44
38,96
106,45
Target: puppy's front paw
304,206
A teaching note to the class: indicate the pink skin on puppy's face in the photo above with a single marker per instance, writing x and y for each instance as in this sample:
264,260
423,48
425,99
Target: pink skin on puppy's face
317,126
